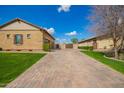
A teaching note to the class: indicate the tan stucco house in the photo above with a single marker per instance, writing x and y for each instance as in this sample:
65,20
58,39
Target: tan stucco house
18,34
99,42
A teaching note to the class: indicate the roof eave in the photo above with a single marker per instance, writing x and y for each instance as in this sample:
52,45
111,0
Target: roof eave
18,19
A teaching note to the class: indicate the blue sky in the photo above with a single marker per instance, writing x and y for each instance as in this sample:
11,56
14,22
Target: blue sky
63,22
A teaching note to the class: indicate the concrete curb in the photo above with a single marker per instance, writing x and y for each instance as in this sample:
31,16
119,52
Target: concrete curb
113,58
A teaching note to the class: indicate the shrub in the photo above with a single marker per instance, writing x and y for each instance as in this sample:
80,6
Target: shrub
46,47
86,47
121,56
109,53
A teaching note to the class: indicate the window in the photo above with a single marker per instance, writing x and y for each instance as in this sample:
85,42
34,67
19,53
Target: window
28,36
18,39
8,36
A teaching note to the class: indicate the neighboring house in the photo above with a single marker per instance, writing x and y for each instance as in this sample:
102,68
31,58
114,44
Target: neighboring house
87,42
21,35
99,42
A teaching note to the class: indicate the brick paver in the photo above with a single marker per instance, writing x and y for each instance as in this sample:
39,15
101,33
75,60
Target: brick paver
68,68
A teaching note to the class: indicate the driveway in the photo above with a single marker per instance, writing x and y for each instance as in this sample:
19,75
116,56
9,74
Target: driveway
68,68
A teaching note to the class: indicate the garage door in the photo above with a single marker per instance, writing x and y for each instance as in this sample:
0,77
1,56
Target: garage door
69,45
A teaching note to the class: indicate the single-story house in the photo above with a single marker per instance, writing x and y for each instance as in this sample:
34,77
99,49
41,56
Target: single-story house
18,34
98,42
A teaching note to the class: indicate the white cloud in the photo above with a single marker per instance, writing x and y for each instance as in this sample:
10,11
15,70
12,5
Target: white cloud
50,30
61,40
73,33
64,39
57,39
64,8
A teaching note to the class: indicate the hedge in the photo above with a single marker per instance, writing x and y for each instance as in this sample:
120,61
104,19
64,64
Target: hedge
46,47
86,47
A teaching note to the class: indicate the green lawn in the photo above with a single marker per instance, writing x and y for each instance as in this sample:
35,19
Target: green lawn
117,65
13,64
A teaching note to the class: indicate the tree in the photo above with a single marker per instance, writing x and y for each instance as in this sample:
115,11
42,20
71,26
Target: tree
109,20
74,40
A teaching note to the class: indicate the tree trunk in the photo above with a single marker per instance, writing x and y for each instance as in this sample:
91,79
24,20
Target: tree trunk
116,53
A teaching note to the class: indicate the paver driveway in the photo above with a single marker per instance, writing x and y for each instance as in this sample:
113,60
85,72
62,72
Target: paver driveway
68,68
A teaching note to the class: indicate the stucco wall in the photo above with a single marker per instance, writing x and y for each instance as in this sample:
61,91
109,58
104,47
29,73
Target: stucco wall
62,46
75,46
104,43
46,36
18,25
87,43
35,42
